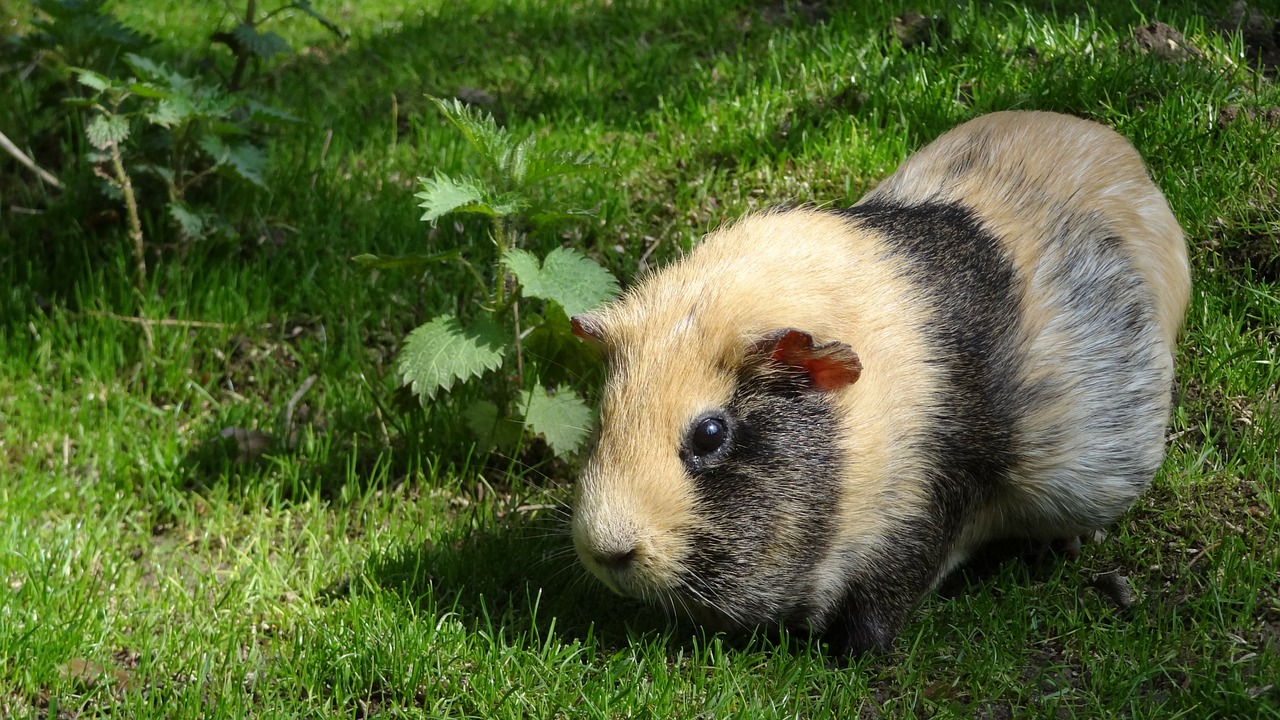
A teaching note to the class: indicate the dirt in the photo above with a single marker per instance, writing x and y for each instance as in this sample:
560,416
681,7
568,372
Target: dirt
1260,33
1164,42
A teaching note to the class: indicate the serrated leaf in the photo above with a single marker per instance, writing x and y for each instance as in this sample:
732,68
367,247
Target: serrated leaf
104,131
92,79
217,150
248,161
442,195
481,131
146,90
442,352
562,419
264,45
567,277
547,164
170,112
189,222
404,261
146,67
259,112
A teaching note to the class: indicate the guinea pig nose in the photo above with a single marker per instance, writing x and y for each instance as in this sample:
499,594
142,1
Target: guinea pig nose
614,559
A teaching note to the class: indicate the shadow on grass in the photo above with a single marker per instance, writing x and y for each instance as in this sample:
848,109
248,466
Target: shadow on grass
521,578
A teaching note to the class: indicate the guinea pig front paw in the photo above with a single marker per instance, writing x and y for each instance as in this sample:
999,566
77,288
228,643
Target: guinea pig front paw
860,630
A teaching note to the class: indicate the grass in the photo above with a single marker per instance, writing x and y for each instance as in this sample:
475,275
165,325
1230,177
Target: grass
371,566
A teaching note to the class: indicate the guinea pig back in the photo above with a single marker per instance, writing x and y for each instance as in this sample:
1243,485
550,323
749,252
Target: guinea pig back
816,414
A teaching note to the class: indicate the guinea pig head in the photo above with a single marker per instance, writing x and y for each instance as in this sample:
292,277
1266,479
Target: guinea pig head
715,476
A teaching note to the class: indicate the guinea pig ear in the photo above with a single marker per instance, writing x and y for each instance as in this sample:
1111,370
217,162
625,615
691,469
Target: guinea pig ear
830,366
587,327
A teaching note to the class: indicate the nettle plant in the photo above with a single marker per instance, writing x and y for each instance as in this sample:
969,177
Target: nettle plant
251,45
520,329
176,129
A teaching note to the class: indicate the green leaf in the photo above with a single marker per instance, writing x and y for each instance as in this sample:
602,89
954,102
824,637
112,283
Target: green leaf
170,112
442,352
92,79
147,67
248,161
260,112
404,261
442,195
264,45
146,90
107,130
189,222
567,277
216,149
547,164
491,142
563,419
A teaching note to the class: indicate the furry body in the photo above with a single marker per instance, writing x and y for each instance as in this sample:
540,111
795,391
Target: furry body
985,350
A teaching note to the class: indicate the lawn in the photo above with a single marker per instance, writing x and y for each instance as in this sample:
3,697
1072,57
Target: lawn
215,502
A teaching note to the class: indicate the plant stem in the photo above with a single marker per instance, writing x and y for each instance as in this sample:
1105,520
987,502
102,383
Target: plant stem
243,53
515,308
135,225
500,240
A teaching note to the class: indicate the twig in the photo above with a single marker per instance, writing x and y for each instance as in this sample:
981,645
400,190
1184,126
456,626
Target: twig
293,402
163,322
21,157
1203,552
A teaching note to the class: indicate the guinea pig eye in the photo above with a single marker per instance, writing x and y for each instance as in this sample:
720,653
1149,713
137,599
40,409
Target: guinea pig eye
708,435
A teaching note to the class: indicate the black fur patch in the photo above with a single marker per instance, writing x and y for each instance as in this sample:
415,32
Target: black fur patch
965,273
767,497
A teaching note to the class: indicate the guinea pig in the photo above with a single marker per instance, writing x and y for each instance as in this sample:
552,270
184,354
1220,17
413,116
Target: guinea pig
815,415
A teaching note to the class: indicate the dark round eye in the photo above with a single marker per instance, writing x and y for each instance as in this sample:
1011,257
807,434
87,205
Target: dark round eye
708,436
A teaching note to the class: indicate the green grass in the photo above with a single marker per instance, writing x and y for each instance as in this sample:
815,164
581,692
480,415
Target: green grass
372,566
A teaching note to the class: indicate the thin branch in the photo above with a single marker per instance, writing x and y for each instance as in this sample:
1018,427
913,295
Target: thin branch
21,157
165,322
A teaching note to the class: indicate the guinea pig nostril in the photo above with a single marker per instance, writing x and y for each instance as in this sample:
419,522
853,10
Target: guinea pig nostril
616,560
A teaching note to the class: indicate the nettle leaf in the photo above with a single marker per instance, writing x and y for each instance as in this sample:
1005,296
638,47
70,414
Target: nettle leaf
92,79
170,112
480,130
260,112
191,223
442,195
248,161
216,148
146,90
442,352
147,67
547,164
105,131
562,419
264,45
567,277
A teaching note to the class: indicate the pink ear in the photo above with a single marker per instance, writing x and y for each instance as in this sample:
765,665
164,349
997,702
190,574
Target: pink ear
830,366
587,327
